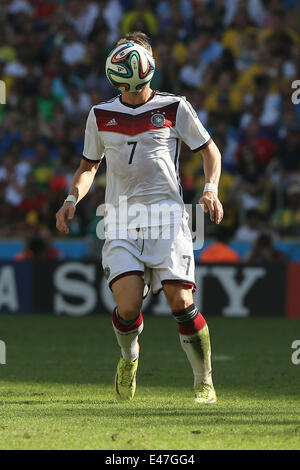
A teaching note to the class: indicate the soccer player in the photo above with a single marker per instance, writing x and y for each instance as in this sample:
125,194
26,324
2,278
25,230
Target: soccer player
140,133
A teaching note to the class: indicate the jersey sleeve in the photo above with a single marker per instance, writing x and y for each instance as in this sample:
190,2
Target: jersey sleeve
189,127
93,148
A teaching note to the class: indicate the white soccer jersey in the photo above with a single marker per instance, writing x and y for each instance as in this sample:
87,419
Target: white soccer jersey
142,146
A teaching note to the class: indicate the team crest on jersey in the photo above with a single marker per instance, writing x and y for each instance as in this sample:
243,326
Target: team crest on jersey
158,120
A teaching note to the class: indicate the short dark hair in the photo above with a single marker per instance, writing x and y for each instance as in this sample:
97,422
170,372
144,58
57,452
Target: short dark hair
138,38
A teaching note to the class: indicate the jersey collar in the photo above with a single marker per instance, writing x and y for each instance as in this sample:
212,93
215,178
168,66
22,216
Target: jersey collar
134,106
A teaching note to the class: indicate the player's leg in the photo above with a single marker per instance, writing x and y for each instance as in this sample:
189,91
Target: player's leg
127,322
194,338
127,317
124,271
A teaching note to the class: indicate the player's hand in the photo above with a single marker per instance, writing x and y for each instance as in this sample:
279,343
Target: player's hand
212,205
65,213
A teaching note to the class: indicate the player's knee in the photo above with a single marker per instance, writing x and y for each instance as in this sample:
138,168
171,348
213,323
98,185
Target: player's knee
179,299
130,309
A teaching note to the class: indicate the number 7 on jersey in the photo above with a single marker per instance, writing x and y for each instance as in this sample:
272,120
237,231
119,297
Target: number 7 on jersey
132,151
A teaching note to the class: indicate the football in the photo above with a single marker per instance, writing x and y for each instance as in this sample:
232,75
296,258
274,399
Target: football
129,67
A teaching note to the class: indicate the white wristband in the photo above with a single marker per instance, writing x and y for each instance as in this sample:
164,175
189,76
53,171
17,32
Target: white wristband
211,187
71,198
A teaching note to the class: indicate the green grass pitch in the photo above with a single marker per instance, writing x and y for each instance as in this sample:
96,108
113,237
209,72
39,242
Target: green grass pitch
56,390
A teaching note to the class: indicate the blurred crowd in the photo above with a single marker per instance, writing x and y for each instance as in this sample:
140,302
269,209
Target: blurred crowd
236,61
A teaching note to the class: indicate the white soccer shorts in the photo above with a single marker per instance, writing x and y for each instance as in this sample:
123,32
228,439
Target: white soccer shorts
168,257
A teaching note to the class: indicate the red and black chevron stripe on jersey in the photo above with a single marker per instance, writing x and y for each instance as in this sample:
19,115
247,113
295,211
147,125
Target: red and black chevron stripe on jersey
130,124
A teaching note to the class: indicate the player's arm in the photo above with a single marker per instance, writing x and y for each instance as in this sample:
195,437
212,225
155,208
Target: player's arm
81,183
192,132
212,171
83,178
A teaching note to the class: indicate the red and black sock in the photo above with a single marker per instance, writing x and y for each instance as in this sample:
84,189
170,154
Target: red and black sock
127,333
195,341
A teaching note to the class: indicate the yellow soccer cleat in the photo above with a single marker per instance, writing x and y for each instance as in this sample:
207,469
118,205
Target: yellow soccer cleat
125,380
205,393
